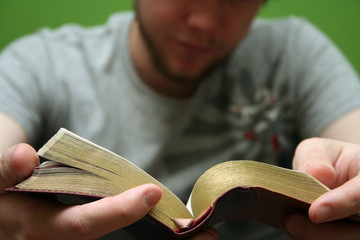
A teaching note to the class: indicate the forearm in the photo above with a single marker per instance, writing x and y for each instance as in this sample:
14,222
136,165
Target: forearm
346,128
11,132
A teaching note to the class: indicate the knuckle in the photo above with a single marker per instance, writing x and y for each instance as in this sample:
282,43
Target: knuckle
328,235
354,201
316,232
22,230
6,172
331,231
310,149
126,215
80,226
27,228
308,143
29,234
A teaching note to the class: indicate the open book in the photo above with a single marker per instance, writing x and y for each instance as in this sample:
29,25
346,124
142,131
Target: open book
246,190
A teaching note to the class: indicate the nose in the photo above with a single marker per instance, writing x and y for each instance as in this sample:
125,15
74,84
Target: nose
205,15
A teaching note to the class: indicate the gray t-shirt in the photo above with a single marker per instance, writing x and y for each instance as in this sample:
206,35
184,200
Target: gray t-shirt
285,82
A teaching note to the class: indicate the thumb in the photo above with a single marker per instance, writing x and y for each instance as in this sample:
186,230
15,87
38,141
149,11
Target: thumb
16,163
315,156
100,217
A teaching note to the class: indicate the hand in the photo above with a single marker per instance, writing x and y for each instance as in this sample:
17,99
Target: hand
337,165
208,234
26,217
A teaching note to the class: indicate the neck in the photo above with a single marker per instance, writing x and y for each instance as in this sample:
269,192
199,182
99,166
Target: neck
148,72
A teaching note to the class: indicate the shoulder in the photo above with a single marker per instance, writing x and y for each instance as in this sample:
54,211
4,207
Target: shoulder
70,35
279,27
277,33
290,32
72,32
280,39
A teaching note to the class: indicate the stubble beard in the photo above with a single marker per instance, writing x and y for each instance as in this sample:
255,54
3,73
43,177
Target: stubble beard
165,70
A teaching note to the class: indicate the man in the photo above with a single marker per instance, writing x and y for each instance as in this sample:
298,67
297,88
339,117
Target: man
184,85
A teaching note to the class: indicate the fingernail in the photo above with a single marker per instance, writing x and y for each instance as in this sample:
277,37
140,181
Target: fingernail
294,226
151,197
324,213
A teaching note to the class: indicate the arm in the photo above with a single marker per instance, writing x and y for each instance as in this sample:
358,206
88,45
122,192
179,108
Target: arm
334,159
345,129
11,132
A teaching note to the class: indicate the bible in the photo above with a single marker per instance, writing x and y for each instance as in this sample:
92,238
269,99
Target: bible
242,189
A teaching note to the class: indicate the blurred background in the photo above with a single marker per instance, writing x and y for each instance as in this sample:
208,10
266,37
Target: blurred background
339,19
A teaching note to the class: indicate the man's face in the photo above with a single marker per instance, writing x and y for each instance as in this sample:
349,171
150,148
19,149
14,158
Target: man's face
186,39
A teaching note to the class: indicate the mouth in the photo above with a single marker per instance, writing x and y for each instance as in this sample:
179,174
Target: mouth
194,51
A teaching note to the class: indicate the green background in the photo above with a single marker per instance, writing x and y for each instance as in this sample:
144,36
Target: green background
339,19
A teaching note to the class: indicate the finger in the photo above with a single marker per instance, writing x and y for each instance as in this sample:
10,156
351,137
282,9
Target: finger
25,217
106,215
338,203
300,227
17,211
207,234
16,164
315,156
